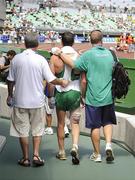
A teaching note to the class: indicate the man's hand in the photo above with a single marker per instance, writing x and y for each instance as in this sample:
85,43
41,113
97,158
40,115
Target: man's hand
51,102
82,101
65,83
56,51
10,101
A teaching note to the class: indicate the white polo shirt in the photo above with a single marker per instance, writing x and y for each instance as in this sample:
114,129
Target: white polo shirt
28,70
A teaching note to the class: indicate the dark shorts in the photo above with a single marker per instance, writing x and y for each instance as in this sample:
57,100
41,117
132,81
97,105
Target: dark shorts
99,116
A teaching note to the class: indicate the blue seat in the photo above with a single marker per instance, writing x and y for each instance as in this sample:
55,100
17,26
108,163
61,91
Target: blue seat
41,38
5,38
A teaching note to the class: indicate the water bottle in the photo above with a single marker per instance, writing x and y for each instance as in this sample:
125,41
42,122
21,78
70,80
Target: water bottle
51,102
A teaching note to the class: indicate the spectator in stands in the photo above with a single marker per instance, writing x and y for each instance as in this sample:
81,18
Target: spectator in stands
130,42
26,73
5,64
98,64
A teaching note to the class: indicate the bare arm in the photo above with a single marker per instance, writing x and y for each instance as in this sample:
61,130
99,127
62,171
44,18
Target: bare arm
10,92
65,58
10,88
2,67
61,82
54,62
83,84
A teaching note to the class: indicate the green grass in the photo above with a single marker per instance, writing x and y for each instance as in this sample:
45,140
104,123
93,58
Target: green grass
5,49
127,105
45,54
128,63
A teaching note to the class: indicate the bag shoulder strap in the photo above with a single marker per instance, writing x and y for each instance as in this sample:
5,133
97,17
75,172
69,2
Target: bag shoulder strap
114,55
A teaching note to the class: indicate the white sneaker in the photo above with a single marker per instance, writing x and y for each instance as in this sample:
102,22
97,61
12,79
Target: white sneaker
95,157
48,131
109,154
66,131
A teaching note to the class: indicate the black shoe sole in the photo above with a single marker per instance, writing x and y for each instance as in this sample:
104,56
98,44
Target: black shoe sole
75,159
38,163
66,135
109,156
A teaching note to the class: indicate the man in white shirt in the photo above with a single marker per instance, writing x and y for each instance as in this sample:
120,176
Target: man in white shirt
27,72
5,64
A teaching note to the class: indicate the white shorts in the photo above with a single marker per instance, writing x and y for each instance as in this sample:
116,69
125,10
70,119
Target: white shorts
47,108
24,120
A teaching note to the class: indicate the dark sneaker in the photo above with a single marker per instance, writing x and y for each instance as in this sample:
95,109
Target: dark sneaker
75,156
109,155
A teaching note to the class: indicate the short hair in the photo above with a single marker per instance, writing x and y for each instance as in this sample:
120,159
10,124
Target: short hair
68,38
31,40
11,53
96,36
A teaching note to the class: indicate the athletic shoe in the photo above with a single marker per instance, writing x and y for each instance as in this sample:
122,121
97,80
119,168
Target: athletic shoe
75,156
95,157
109,155
61,156
48,131
66,131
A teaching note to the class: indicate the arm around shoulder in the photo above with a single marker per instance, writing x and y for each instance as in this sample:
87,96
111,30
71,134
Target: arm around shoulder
67,59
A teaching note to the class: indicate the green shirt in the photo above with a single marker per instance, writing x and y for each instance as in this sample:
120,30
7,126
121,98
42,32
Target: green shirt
97,63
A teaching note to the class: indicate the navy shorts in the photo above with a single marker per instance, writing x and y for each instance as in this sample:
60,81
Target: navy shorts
99,116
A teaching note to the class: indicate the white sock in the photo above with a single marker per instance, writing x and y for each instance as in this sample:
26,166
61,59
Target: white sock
61,151
108,145
75,145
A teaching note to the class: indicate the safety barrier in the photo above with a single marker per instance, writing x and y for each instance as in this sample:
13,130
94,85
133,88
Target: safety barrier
109,40
124,131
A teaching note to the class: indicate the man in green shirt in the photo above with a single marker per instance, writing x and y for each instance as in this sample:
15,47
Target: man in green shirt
98,64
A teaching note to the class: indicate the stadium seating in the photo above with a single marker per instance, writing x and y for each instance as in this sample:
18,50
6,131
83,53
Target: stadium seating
67,19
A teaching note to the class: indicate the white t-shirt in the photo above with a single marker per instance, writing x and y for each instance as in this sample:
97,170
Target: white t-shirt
75,84
28,70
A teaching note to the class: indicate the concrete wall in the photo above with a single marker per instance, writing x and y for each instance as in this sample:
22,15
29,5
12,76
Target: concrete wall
124,130
5,111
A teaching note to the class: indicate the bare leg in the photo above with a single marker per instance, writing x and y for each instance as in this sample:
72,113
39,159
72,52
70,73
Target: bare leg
24,142
75,139
108,129
95,137
49,120
60,129
36,145
75,132
25,150
37,161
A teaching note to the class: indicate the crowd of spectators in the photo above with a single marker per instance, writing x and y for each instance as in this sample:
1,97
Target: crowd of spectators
82,18
48,20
